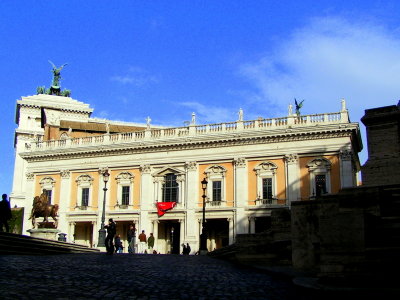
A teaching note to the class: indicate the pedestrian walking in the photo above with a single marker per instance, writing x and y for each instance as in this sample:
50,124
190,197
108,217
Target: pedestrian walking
111,231
184,249
131,239
118,244
5,213
150,242
142,242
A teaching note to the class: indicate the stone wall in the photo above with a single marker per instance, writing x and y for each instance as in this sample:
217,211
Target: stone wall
383,135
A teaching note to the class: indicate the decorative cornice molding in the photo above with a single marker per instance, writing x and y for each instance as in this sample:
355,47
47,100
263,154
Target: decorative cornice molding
137,148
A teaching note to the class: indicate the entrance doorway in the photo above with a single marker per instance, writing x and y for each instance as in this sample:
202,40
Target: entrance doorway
169,232
217,233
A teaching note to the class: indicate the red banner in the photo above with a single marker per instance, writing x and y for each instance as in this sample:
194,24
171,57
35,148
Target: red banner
162,207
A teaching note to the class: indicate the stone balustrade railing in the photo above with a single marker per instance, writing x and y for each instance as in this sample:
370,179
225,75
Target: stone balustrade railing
192,130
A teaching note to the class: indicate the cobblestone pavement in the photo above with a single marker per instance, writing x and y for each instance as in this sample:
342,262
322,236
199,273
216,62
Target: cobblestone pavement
124,276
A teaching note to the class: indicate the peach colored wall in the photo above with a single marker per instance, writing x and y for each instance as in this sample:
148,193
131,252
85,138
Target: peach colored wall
228,181
114,187
280,179
56,190
94,189
305,177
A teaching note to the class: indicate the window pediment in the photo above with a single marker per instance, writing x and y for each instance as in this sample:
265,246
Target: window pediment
215,170
319,163
84,180
125,177
168,170
47,181
265,167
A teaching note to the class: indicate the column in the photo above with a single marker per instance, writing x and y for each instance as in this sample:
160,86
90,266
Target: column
231,231
192,196
155,234
346,169
182,232
29,195
65,196
252,222
292,177
146,199
95,234
241,194
71,232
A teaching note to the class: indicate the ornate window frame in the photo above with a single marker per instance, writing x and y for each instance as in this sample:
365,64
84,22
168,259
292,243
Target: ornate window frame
216,173
319,166
266,169
84,181
48,183
124,179
159,180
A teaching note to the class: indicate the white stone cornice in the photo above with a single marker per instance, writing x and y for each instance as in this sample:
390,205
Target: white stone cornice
204,142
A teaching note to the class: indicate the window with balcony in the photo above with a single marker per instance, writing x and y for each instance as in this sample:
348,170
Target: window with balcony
48,184
125,182
84,186
216,185
266,182
320,180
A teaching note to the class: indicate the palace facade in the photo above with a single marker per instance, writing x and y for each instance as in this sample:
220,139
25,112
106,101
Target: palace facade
252,167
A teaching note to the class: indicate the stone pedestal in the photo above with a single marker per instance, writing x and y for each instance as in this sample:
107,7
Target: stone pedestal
44,233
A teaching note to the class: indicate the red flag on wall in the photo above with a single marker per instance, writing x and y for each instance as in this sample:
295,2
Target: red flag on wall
162,207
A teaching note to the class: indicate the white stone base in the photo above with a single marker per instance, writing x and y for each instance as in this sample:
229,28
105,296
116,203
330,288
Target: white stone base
44,233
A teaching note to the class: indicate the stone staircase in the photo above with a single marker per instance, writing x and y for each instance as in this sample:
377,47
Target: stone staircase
15,244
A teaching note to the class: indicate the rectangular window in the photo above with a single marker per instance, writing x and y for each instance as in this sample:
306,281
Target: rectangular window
267,188
216,191
170,188
125,195
85,197
49,193
320,184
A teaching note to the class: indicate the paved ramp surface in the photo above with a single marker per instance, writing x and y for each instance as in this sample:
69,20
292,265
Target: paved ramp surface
125,276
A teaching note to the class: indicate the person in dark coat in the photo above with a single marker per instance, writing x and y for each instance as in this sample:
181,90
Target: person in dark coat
5,213
118,244
111,231
131,239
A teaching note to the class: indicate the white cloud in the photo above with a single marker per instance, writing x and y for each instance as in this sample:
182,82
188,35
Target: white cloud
135,76
327,60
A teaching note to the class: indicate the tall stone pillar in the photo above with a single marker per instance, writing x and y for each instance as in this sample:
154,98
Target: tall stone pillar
95,234
29,195
241,194
192,196
252,222
146,199
155,234
292,177
346,169
231,231
182,231
65,196
71,232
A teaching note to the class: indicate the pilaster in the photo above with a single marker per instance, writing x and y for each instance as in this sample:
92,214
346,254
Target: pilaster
292,177
346,168
241,197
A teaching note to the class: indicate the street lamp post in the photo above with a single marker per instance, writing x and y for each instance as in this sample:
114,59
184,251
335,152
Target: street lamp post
203,235
102,231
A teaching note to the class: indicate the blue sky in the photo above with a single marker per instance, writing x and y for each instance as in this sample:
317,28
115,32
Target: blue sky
167,59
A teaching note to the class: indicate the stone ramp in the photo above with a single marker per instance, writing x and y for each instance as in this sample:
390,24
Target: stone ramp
21,244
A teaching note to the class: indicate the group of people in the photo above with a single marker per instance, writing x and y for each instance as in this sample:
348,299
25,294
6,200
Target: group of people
5,214
186,249
113,241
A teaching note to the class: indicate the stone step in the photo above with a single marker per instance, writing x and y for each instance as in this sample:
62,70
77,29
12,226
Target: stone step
21,244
